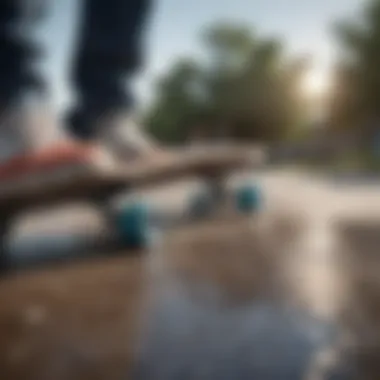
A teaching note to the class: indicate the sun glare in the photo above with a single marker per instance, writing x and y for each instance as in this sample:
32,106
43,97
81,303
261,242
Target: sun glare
316,83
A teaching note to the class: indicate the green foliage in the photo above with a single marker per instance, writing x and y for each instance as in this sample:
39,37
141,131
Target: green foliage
178,102
245,87
355,102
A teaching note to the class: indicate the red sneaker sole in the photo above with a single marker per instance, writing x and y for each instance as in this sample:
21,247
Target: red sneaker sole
48,159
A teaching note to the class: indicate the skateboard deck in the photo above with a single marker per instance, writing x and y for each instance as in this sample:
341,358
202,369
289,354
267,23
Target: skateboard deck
98,184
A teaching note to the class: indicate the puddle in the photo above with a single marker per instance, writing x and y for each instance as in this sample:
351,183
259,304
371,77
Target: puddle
192,338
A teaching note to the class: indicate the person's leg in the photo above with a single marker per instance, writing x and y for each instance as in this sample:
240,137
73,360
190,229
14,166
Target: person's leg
31,142
109,52
17,50
18,74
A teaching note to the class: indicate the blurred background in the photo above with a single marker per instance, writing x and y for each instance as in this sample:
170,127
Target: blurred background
298,78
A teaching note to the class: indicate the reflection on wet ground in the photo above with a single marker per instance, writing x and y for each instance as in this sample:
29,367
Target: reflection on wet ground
188,338
198,327
190,333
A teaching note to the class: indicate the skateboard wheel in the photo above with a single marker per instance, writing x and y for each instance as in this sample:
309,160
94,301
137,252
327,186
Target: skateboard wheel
249,198
133,225
200,205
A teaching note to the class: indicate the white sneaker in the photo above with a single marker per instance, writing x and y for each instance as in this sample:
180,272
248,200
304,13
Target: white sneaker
33,144
124,139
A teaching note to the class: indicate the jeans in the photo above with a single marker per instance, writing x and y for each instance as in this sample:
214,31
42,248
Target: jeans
107,55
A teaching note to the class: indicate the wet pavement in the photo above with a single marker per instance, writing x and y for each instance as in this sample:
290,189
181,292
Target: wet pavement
196,337
191,338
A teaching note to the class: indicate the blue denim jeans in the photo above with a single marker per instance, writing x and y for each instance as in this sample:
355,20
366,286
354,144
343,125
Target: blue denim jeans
107,55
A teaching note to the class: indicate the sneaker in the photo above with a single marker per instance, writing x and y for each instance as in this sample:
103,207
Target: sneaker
122,137
31,143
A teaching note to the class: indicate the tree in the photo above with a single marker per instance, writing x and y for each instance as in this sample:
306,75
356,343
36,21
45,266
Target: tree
178,103
355,101
244,87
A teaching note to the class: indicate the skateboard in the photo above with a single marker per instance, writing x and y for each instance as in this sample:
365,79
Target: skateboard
131,221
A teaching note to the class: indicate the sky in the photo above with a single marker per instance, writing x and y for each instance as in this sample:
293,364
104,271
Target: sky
174,30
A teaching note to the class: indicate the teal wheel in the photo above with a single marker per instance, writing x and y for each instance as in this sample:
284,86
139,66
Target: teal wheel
133,223
249,199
